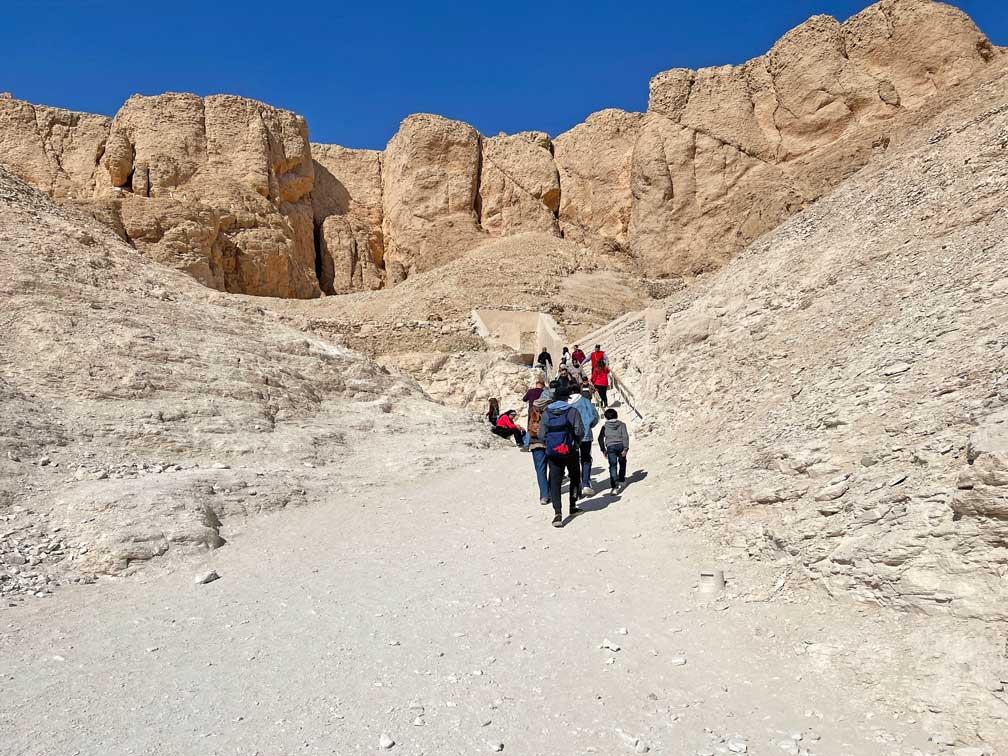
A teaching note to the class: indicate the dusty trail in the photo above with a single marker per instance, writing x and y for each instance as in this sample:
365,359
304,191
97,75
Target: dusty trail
452,594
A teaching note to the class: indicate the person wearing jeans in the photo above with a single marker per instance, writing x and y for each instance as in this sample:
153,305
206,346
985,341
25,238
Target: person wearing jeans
561,419
537,447
589,419
614,441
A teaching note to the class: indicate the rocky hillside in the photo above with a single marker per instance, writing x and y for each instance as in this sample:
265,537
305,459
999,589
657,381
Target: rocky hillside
147,416
230,190
836,397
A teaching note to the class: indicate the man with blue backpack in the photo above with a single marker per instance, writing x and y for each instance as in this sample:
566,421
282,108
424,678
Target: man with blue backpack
562,431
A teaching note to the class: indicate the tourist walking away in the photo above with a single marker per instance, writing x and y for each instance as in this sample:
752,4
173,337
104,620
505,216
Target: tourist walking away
532,394
600,380
578,355
566,360
564,382
537,447
543,360
589,418
561,430
507,428
493,413
598,356
614,441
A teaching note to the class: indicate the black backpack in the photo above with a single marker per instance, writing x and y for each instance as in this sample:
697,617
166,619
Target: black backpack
559,432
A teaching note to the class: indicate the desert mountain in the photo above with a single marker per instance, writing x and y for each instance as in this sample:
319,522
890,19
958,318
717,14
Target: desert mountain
230,190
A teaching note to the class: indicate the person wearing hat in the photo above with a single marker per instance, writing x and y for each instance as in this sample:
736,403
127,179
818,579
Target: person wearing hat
589,419
538,447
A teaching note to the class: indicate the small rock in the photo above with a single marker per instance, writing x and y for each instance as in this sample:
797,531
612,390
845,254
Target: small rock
832,492
973,751
896,368
419,722
220,466
496,746
942,738
609,645
622,631
385,741
678,661
207,577
738,746
13,457
43,461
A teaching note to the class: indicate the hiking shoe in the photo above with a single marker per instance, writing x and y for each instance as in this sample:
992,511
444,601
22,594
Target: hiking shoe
544,501
576,510
587,491
558,522
614,490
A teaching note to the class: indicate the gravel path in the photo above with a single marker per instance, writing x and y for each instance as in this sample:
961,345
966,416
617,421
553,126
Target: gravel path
446,616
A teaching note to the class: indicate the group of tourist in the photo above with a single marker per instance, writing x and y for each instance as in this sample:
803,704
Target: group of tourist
561,421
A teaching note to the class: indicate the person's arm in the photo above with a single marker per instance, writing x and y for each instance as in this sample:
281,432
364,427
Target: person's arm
626,438
601,439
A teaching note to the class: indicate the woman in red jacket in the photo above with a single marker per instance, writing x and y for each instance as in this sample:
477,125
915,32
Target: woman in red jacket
600,380
506,428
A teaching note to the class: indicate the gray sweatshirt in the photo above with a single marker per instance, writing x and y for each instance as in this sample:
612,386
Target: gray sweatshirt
614,433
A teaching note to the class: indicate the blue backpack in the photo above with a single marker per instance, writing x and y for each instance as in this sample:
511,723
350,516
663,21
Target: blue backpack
559,433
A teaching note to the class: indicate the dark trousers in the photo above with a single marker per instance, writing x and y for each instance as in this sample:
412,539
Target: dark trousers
586,463
518,435
558,466
603,400
617,465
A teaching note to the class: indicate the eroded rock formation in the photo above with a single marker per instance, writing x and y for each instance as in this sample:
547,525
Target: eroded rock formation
227,188
430,180
727,153
347,208
519,184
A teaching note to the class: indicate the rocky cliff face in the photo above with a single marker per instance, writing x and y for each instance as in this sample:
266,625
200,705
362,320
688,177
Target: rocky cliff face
227,188
219,187
727,153
347,209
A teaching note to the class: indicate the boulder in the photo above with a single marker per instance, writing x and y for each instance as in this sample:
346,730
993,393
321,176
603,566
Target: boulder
519,185
430,178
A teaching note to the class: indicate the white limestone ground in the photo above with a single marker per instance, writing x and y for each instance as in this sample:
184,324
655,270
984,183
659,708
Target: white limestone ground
448,616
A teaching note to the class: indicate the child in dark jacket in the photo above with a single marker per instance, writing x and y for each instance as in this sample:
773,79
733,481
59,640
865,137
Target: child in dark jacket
614,441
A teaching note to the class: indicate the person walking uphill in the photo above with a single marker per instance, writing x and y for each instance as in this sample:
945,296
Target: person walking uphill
543,360
589,418
614,440
600,380
562,431
537,447
506,428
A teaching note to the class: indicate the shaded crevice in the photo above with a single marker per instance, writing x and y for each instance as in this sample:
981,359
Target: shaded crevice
477,196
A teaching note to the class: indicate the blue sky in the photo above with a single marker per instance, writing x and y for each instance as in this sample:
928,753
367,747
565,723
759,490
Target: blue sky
356,69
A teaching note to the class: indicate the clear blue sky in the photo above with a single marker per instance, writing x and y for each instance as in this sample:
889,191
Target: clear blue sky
356,69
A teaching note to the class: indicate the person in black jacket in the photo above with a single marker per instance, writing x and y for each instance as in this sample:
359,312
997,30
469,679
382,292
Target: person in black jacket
543,360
